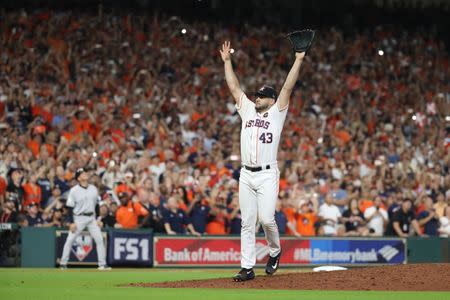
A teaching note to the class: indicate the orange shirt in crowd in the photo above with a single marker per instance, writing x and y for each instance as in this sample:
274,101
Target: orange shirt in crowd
365,204
224,171
127,216
217,226
343,135
290,215
305,224
67,135
196,116
81,125
283,184
32,193
34,147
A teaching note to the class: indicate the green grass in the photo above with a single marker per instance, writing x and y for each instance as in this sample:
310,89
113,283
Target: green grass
77,284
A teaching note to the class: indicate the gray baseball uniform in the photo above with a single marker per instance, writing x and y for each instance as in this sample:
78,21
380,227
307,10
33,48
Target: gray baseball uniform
83,201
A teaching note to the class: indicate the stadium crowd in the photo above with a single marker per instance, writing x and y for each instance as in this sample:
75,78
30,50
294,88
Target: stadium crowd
144,106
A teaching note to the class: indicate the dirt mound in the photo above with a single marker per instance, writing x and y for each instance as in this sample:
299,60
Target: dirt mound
418,277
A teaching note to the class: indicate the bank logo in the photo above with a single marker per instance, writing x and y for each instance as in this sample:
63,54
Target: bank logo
388,252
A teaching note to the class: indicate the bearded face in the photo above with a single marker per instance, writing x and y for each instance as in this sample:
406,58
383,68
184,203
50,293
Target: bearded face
262,104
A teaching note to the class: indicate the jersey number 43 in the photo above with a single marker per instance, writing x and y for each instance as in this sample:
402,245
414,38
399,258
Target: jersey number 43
266,137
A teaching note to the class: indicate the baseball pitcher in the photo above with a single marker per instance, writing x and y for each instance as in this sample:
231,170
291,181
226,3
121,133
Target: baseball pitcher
82,199
262,123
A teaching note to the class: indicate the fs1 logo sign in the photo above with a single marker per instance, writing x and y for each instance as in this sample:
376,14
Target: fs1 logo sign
130,248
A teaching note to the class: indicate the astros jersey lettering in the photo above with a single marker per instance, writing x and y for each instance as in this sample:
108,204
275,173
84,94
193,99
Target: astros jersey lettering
260,133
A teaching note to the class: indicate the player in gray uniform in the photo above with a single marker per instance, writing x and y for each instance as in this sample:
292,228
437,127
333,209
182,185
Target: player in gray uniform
82,199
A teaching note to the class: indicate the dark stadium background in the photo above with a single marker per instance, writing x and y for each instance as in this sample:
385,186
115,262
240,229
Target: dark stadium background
350,14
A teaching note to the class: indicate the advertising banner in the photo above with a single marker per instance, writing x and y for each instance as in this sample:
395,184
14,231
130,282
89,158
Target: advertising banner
130,248
225,251
83,251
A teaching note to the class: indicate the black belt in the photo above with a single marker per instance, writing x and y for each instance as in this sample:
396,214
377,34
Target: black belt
257,169
85,214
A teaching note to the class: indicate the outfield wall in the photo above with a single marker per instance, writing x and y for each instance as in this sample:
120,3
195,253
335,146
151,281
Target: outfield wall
169,251
41,247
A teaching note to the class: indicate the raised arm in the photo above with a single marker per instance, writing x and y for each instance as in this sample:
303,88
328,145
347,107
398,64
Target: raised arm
230,77
291,79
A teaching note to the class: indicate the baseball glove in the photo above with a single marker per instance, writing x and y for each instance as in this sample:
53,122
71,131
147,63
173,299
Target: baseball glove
301,40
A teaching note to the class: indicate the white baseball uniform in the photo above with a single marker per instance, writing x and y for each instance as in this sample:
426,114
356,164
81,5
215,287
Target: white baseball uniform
258,188
83,201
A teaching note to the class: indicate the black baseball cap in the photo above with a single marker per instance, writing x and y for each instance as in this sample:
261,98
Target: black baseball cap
267,92
79,172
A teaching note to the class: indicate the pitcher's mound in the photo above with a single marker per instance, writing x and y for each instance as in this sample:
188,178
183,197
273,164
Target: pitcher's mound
418,277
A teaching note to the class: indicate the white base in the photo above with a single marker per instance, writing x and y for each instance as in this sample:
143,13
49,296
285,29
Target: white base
329,268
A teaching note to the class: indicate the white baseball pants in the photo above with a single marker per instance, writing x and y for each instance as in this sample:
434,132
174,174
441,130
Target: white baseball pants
82,222
258,194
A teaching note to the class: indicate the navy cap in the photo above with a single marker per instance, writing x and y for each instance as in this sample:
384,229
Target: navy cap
267,92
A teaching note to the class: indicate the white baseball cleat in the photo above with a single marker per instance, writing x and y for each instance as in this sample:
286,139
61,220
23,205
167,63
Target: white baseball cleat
104,268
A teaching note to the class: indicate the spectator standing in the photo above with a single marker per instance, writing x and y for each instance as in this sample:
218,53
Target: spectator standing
14,190
441,204
198,211
339,194
402,221
32,191
128,212
60,181
329,215
45,185
155,210
306,219
218,221
280,219
376,217
428,219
